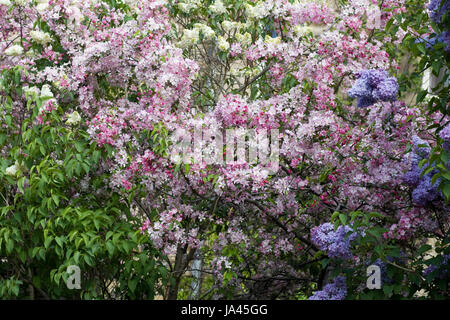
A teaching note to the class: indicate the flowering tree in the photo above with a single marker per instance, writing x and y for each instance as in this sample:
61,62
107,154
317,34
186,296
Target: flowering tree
348,187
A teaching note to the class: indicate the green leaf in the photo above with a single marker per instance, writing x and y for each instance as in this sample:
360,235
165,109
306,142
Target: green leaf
59,241
56,199
9,246
421,96
48,241
89,260
21,184
23,256
76,257
79,146
110,248
446,190
387,290
423,249
132,283
343,218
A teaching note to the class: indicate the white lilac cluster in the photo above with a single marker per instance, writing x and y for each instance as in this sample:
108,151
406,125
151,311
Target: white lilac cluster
31,91
40,37
300,30
189,5
223,44
244,39
230,26
218,7
258,11
207,31
192,36
73,118
16,167
21,2
12,170
42,5
14,50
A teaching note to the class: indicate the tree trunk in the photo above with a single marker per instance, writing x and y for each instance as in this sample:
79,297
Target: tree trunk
172,292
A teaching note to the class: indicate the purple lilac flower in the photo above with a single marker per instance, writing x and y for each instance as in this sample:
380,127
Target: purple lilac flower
443,266
425,191
446,146
364,102
376,76
445,133
436,11
373,85
360,89
429,269
443,37
420,147
336,290
386,90
412,176
335,242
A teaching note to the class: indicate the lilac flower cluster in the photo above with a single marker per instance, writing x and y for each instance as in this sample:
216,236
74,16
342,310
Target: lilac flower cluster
445,135
436,11
336,290
335,242
443,37
424,192
444,266
373,85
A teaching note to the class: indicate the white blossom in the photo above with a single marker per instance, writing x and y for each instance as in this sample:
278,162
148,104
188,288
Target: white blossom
270,40
300,30
188,5
261,10
46,92
31,90
207,31
223,43
22,2
73,118
41,7
14,50
12,170
40,36
218,7
230,26
245,39
190,37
